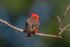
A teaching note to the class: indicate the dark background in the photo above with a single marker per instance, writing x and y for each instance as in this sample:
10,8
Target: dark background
17,11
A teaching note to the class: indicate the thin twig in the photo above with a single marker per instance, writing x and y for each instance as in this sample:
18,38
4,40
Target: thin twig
59,19
62,29
65,13
5,22
67,29
49,35
21,30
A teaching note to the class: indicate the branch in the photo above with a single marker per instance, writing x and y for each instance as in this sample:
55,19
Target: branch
67,29
21,30
5,22
65,13
62,29
59,19
49,35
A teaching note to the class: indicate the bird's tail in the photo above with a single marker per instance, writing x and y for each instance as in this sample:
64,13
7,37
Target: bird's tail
28,34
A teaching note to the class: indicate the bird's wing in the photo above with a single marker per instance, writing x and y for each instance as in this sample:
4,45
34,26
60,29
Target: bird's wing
32,24
28,27
35,25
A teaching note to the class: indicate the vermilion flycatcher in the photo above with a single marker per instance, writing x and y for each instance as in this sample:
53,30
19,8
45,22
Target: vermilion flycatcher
32,24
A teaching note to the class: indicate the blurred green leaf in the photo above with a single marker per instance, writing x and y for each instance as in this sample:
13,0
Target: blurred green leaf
18,5
52,26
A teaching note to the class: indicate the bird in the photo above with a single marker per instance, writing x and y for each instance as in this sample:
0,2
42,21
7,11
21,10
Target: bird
32,25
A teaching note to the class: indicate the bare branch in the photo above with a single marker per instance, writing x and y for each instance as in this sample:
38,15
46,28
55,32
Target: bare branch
67,29
62,29
49,35
5,22
21,30
58,19
66,10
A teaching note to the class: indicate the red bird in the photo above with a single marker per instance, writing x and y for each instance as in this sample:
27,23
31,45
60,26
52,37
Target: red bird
32,24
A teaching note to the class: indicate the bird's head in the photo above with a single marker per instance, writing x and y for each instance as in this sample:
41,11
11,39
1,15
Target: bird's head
35,16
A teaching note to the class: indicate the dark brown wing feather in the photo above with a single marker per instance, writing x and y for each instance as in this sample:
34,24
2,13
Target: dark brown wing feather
28,27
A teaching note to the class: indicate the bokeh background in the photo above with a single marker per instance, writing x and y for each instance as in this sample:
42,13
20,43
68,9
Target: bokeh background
17,11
